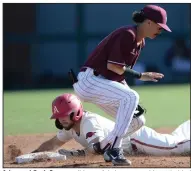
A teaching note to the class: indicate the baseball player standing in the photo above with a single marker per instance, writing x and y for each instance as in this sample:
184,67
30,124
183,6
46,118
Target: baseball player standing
102,78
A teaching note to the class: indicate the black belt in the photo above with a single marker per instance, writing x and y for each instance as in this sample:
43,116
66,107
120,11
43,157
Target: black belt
84,70
73,77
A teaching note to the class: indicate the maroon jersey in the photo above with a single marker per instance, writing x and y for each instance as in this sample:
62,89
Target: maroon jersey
119,47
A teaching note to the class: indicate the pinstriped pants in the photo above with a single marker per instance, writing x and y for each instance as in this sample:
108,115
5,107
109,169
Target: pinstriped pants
113,97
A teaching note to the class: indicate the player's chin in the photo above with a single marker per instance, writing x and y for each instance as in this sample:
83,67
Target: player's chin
68,127
153,36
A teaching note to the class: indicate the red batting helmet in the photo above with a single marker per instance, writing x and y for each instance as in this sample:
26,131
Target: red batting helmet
65,105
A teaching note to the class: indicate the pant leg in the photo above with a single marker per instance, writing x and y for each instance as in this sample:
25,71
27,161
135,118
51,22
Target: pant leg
148,141
135,124
183,131
105,92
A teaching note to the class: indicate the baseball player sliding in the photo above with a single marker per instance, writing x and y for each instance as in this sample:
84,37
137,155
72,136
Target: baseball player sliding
87,128
101,80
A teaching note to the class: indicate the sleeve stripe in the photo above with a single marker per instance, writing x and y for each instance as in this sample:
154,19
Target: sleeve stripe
116,63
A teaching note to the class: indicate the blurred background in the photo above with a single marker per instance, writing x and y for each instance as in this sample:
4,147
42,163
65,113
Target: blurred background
41,42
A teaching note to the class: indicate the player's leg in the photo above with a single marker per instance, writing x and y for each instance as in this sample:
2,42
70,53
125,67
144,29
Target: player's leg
135,124
148,141
183,131
108,93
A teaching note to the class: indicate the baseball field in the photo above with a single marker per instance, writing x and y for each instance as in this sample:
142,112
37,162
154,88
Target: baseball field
27,124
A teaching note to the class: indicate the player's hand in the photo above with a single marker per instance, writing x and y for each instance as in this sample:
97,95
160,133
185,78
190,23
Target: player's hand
151,76
72,152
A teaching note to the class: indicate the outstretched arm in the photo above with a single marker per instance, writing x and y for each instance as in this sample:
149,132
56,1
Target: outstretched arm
49,145
80,152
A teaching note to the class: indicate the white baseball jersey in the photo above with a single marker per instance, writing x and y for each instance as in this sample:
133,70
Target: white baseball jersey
91,126
145,140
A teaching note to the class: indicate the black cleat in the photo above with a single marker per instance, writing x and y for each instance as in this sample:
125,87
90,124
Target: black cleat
115,155
97,148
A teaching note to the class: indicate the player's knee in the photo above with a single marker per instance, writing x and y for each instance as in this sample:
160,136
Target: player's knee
141,120
135,125
134,97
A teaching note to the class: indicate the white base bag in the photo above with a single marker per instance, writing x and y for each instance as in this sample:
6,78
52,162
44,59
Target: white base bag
40,156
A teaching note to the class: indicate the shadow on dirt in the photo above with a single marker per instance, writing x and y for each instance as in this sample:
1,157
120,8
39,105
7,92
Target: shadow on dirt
89,165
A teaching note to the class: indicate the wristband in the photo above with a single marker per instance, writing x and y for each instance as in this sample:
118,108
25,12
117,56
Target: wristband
133,73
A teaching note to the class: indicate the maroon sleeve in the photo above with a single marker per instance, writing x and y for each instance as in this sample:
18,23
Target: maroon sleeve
121,47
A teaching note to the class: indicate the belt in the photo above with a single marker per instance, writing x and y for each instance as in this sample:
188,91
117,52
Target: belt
84,70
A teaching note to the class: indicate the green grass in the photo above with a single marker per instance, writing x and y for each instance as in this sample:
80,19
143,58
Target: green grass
29,111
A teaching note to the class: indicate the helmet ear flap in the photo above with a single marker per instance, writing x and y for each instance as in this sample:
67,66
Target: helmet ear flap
58,124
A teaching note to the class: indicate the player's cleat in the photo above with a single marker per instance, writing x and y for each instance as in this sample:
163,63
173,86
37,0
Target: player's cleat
97,148
115,155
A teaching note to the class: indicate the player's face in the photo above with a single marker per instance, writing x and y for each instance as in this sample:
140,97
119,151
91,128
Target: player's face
66,122
153,29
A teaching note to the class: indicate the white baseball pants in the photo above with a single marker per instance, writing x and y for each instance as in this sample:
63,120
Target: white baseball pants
114,98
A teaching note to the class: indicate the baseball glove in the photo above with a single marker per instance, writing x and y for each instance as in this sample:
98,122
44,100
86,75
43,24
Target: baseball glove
139,111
